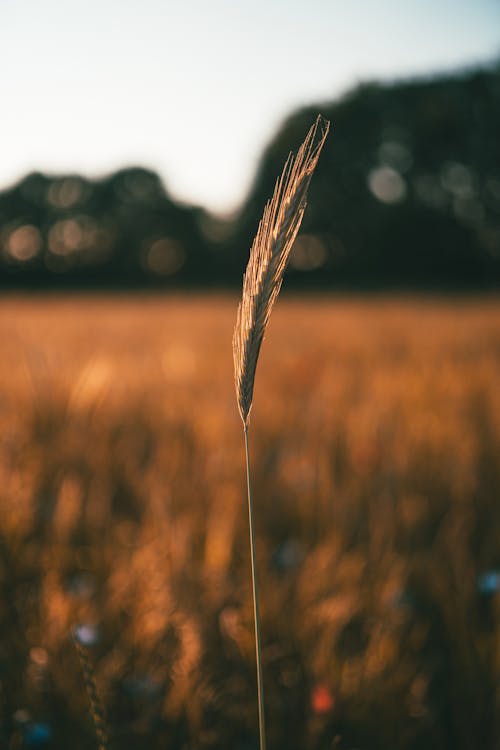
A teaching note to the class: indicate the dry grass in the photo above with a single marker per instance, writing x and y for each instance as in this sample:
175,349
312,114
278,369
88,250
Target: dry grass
377,435
261,285
268,259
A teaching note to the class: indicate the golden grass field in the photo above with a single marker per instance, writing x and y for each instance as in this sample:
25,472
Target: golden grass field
375,438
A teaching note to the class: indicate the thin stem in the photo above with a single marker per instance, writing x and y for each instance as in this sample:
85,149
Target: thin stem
258,652
96,709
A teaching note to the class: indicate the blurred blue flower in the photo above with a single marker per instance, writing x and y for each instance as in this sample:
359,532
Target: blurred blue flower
288,555
37,734
489,582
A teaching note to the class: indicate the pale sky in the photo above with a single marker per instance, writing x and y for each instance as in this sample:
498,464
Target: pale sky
196,88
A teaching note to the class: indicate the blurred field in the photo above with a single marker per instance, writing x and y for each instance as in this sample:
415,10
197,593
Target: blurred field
375,438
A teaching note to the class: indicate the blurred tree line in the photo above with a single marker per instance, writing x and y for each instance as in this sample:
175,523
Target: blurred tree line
406,194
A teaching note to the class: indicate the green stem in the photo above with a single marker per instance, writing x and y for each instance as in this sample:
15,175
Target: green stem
258,652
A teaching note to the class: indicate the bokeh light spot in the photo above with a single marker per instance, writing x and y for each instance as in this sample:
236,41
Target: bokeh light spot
65,193
38,734
65,237
396,155
322,701
138,185
24,243
456,178
387,185
39,656
165,256
489,582
308,254
87,634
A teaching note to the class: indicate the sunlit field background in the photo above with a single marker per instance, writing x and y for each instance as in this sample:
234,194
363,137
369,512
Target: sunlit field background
375,442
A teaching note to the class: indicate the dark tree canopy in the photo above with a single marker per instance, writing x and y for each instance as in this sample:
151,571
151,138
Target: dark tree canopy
406,194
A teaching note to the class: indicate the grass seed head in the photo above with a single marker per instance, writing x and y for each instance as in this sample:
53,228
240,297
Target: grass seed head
268,259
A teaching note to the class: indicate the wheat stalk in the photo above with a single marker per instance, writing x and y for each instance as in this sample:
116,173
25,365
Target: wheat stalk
268,258
261,285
